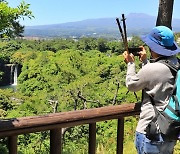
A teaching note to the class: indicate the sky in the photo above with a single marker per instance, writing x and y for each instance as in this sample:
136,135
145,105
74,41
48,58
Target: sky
62,11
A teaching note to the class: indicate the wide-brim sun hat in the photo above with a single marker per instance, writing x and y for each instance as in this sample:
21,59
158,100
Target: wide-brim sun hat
161,41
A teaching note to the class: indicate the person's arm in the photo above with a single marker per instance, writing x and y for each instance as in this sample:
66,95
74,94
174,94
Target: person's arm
135,82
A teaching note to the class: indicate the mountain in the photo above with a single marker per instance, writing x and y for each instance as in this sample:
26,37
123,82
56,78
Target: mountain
136,23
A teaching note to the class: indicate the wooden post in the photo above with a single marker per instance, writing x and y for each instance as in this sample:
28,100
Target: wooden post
120,135
12,144
92,138
55,141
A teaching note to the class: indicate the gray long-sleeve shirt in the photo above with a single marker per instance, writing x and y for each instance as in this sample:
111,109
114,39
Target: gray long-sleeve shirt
154,79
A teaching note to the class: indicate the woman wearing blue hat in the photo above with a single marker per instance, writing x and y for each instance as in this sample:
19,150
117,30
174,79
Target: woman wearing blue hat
156,80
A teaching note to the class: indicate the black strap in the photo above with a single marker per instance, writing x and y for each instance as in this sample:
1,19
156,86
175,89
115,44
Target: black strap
172,110
176,102
152,100
134,95
174,69
176,111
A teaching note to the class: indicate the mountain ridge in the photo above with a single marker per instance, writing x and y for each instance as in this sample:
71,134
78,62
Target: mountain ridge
137,24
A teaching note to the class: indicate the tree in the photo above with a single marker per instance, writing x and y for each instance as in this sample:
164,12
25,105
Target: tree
9,25
165,13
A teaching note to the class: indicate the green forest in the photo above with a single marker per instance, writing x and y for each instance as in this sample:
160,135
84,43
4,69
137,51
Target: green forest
60,75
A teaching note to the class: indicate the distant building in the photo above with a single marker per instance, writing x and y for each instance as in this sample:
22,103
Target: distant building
129,38
30,38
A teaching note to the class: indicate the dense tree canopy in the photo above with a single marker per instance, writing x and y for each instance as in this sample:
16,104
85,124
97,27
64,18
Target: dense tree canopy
61,75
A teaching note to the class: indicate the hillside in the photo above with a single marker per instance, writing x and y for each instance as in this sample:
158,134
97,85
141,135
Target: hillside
137,24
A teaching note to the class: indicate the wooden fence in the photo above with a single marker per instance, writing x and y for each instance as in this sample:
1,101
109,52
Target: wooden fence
11,128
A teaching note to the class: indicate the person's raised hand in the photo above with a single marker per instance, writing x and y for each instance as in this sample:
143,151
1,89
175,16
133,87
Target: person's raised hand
128,57
142,54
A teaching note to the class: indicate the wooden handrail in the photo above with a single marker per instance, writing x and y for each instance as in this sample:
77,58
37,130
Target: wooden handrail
65,119
56,121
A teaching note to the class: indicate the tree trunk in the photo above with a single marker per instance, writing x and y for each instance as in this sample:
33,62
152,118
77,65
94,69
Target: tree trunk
165,13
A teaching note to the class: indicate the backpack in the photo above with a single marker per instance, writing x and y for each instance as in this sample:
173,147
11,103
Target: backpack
168,120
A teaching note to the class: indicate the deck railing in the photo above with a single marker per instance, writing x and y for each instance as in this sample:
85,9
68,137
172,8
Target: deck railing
11,128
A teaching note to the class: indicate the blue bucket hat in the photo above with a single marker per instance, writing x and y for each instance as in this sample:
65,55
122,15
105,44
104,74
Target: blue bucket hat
161,41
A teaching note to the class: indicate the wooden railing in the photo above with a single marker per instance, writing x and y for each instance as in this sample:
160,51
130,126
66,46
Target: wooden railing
11,128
